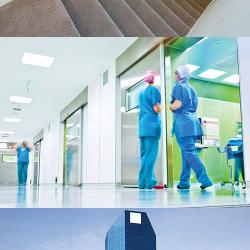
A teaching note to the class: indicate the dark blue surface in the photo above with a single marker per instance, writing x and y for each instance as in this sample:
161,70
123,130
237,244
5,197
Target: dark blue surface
139,236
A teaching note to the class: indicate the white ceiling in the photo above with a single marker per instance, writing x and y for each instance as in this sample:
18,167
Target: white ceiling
77,60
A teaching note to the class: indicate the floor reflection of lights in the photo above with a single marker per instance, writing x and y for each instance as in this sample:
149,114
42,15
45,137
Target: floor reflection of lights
105,196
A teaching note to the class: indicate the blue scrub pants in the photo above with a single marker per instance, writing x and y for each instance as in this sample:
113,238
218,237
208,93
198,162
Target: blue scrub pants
149,147
22,173
239,169
191,160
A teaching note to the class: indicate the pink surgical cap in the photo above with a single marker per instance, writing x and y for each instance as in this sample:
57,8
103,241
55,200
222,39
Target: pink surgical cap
149,78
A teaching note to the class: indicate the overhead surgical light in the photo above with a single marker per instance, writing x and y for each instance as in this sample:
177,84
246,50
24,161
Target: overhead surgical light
235,79
9,119
37,60
20,99
212,74
192,67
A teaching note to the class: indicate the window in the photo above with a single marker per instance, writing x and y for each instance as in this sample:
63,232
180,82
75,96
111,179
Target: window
135,218
132,95
9,158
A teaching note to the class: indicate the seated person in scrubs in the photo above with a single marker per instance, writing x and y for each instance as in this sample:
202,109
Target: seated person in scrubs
149,133
187,128
22,162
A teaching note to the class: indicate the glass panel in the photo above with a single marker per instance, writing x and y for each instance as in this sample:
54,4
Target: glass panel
213,65
132,95
132,84
9,158
73,147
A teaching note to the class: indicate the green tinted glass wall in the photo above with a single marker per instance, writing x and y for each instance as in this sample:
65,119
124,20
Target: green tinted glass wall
216,100
228,114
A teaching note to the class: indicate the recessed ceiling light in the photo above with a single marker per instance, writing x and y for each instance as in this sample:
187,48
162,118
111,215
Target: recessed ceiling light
192,67
232,79
20,99
211,74
9,119
3,132
37,60
4,141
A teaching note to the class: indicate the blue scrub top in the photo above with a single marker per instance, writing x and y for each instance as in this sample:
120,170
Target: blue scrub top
23,155
186,122
149,121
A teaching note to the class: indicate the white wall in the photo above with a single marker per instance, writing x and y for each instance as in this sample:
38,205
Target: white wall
101,137
224,18
93,138
244,67
107,128
49,161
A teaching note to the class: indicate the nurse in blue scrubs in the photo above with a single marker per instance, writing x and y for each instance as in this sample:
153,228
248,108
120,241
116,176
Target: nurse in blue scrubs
149,133
187,129
22,162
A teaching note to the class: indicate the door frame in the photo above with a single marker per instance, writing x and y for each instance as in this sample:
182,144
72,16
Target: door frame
82,155
39,143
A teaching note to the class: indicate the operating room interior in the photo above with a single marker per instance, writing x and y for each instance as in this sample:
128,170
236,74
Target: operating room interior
218,109
219,102
87,153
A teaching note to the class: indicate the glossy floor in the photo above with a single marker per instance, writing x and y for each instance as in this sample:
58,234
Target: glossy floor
105,196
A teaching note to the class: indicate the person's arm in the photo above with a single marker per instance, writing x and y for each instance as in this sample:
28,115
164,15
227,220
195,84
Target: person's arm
176,102
156,100
176,105
157,108
15,147
30,147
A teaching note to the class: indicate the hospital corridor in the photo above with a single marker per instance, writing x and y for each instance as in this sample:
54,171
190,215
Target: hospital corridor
71,122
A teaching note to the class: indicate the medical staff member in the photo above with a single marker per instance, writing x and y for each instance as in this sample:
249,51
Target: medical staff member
22,162
149,133
187,129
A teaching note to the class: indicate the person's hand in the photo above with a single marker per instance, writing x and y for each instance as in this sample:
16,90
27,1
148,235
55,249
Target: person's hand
157,108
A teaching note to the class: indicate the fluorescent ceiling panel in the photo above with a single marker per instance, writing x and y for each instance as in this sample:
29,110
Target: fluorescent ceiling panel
135,218
37,60
4,141
212,74
3,132
20,99
9,119
235,79
192,67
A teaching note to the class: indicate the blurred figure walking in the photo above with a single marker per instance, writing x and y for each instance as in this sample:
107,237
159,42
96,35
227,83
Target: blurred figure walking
23,151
